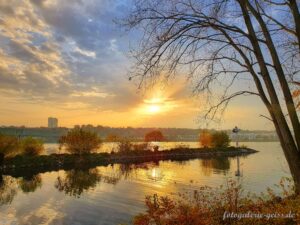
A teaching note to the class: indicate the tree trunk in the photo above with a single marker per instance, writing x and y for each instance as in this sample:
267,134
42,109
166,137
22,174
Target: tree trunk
291,154
287,141
280,74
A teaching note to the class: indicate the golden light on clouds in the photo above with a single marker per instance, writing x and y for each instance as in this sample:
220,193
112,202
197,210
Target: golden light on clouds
157,104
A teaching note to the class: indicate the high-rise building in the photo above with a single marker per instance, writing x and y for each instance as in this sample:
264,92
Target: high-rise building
52,122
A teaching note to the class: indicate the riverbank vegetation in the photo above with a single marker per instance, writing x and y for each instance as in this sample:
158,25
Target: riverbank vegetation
125,146
11,146
80,146
214,139
227,205
43,163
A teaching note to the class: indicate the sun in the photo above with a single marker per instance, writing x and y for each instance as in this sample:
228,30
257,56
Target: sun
156,105
154,109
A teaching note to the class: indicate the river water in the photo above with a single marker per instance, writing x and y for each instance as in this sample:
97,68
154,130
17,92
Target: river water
113,194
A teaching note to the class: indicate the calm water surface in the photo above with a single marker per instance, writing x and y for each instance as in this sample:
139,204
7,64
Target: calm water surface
51,148
113,194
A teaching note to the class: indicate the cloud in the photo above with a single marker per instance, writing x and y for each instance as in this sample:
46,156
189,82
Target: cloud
60,52
67,57
86,52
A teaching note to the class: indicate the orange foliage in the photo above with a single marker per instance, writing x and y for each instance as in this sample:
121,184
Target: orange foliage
155,135
210,206
205,139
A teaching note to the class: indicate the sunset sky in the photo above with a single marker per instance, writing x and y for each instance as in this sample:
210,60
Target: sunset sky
70,60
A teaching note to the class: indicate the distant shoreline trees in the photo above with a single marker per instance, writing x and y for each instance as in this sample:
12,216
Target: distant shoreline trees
155,135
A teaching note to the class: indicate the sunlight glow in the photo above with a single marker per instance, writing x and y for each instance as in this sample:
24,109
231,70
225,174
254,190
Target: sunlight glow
154,100
154,108
156,105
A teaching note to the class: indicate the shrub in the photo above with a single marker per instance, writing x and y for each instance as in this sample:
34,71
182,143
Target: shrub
9,146
155,135
220,139
205,138
79,141
208,206
125,146
32,146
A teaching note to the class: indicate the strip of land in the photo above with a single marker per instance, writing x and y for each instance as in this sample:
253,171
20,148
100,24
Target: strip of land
46,163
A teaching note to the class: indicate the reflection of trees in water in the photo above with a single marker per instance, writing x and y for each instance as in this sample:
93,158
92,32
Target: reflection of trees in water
217,165
127,170
76,182
8,189
9,186
152,170
30,184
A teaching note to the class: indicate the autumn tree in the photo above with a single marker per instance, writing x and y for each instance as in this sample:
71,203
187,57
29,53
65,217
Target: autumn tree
205,138
219,43
155,135
79,141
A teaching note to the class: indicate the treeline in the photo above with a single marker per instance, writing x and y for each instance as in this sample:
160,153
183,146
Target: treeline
51,135
135,134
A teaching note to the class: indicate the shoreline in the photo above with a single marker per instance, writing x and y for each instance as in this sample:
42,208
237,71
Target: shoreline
47,163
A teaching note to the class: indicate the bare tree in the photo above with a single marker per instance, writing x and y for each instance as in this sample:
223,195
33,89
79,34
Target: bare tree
220,41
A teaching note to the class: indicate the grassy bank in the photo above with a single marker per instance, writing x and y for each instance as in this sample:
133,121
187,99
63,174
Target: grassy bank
45,163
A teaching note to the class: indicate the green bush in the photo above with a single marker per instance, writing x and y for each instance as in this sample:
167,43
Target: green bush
220,139
32,146
79,141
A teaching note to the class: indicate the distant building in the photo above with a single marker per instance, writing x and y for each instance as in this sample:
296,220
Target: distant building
52,122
